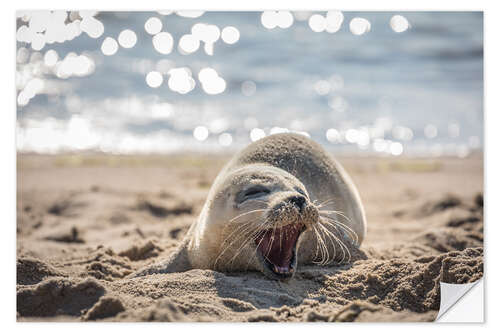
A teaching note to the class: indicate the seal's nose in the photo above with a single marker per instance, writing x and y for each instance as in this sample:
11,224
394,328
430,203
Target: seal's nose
298,201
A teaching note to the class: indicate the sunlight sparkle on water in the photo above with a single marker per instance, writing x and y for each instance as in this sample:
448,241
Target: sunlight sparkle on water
109,46
359,26
93,27
333,135
22,55
322,87
272,19
211,82
230,35
33,87
334,21
50,58
127,38
248,88
189,43
74,65
277,130
47,27
225,139
190,13
430,131
180,80
163,42
200,133
153,25
154,79
399,23
256,134
317,23
208,33
396,148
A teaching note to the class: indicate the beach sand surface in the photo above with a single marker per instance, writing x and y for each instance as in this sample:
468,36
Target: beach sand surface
86,221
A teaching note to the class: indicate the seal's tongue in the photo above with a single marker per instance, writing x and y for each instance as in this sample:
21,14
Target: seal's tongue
277,246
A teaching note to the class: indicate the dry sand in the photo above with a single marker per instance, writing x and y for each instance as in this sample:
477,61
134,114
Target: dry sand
84,222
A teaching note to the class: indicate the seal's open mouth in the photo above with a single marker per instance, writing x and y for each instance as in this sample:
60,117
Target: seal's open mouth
277,248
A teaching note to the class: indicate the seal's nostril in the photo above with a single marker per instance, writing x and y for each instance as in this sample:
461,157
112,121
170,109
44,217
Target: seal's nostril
298,201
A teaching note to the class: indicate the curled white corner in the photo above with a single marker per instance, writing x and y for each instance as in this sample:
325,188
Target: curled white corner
455,307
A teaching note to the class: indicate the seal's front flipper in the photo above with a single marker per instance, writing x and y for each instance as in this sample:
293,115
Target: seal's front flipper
177,262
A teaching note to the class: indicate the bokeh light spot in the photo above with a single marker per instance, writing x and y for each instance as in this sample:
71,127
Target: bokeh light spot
200,133
359,26
154,79
333,135
430,131
317,23
225,139
230,35
189,43
109,46
163,42
153,25
50,58
399,23
248,88
211,82
256,134
127,38
334,21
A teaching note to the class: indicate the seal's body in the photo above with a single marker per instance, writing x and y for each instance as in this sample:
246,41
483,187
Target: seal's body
282,200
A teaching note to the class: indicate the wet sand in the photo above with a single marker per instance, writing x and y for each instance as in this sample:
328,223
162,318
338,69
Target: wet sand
84,222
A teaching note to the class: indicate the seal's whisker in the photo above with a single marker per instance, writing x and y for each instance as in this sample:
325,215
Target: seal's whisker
335,212
331,237
271,242
317,243
322,246
253,236
246,213
240,228
325,202
244,229
350,232
324,250
343,247
332,241
326,213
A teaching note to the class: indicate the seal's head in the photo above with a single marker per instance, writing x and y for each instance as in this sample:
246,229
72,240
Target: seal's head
260,214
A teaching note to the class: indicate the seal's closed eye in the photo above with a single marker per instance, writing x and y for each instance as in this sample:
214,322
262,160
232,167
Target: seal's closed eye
252,192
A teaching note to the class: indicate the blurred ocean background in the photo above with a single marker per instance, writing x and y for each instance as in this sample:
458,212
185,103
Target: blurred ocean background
405,83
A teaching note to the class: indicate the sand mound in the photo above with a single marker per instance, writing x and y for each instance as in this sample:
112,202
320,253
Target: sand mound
106,307
141,252
32,271
58,296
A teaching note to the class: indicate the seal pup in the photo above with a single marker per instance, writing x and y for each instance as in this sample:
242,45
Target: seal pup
280,202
